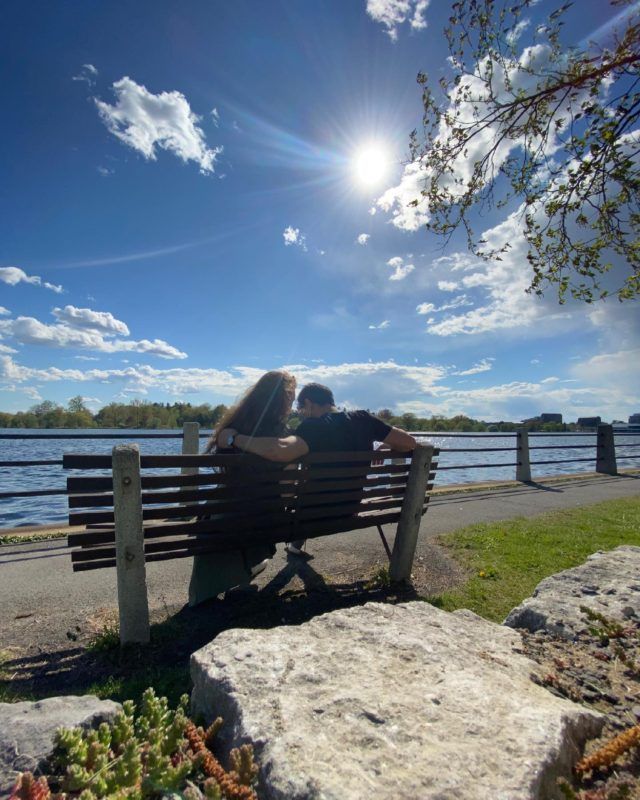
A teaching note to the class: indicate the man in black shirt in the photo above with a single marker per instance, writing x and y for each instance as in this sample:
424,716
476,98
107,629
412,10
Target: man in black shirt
324,429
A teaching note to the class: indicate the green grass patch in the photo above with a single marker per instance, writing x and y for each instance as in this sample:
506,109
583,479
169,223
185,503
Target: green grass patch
508,559
31,537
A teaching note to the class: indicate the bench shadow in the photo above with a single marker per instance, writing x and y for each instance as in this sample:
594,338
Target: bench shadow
175,636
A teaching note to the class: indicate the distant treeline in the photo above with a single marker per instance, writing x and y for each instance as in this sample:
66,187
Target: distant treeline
143,414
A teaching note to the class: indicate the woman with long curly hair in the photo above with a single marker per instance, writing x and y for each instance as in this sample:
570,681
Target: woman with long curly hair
262,411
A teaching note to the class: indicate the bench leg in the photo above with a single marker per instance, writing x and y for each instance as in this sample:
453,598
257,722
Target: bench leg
133,604
404,546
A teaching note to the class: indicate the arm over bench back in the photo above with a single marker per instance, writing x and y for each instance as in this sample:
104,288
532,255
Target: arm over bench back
238,501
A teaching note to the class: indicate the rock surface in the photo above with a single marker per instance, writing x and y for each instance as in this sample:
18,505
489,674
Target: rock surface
608,582
391,701
27,730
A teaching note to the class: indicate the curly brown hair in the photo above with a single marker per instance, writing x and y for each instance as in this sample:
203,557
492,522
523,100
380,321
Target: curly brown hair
262,410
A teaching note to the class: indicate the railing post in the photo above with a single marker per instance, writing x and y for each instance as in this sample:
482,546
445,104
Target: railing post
523,468
190,446
133,604
404,546
606,451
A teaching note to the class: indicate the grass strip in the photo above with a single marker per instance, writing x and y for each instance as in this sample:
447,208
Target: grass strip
508,559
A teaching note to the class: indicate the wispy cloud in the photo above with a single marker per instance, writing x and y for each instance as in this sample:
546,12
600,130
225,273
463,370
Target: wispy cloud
4,312
384,324
484,365
293,236
145,121
400,269
394,13
15,275
363,238
87,74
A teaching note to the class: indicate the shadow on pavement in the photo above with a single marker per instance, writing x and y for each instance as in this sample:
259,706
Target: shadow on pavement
165,660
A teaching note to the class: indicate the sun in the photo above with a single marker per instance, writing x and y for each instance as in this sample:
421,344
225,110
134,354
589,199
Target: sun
371,164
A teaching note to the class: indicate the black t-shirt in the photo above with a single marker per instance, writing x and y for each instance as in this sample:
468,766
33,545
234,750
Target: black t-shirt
342,431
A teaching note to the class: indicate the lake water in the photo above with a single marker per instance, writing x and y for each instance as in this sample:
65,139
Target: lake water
466,467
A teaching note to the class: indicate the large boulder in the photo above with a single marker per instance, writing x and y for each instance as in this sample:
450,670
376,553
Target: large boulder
608,582
391,701
27,731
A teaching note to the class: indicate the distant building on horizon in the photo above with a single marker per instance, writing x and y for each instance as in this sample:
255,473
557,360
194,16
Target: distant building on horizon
550,417
634,419
589,422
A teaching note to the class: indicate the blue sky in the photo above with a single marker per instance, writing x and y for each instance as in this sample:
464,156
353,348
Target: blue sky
182,207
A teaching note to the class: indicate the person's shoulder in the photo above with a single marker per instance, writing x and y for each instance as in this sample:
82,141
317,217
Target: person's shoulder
360,414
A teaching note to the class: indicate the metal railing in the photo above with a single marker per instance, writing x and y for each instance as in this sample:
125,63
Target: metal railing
604,455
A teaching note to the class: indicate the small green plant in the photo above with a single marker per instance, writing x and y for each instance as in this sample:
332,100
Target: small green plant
153,753
106,639
380,579
602,628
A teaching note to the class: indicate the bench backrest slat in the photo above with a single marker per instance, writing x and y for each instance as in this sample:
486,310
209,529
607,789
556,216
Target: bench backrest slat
92,461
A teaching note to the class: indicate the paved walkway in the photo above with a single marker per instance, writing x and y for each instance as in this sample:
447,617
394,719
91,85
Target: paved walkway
39,592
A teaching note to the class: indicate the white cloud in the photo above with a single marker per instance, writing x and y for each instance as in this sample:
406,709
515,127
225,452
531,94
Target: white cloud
87,358
400,269
467,106
398,200
32,392
459,261
535,361
484,365
447,286
102,321
4,311
145,121
393,13
15,275
6,349
384,324
293,236
27,330
363,238
215,116
425,308
516,32
372,210
456,302
374,385
87,74
105,171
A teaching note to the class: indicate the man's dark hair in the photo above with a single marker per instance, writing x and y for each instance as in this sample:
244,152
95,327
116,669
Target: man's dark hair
316,393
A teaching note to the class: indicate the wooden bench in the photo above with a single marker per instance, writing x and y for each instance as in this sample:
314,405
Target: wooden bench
133,517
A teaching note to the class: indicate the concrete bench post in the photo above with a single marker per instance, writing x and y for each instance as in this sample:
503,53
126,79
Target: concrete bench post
523,468
404,546
133,604
190,447
606,451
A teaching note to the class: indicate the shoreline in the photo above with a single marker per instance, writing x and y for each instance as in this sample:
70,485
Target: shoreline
63,529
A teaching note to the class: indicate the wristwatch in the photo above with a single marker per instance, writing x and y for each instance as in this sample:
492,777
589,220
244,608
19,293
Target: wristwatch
231,439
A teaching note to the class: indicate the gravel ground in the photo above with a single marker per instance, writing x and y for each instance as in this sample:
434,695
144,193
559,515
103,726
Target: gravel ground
599,668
